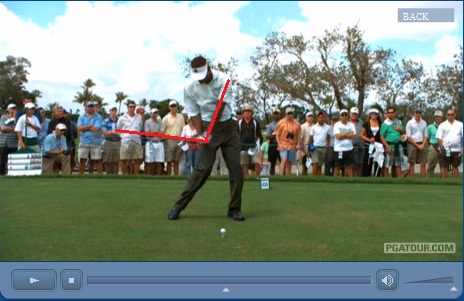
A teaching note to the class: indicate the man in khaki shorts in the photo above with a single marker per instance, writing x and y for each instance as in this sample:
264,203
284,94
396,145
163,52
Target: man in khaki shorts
112,146
131,144
173,124
90,124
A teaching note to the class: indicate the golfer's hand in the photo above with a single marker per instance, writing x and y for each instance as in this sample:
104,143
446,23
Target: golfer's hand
22,145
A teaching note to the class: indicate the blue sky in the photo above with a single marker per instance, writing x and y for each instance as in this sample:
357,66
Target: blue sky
137,47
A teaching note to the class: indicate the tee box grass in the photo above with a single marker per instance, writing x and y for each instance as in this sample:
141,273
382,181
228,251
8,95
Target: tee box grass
101,218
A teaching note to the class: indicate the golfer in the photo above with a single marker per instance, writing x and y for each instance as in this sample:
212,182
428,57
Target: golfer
201,98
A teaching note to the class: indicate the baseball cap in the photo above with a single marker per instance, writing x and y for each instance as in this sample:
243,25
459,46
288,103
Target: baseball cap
11,106
354,110
373,110
248,109
139,110
199,73
289,109
154,110
113,109
309,114
172,102
29,105
343,111
61,126
321,113
438,113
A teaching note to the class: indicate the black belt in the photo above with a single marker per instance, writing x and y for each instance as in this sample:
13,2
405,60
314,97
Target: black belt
112,140
321,146
434,144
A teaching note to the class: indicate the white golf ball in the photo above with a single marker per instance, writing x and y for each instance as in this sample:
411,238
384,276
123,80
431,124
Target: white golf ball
223,231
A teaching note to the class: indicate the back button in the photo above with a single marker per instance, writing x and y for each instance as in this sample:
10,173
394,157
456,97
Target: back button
34,280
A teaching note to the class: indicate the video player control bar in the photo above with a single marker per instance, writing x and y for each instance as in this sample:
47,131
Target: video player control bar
274,280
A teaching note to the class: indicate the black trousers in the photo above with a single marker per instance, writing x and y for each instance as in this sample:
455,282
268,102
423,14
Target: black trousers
4,152
225,136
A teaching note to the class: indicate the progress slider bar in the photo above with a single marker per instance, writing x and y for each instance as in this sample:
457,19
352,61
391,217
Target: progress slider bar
274,280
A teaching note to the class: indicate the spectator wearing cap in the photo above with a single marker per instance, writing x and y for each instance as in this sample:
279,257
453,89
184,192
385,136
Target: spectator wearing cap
173,125
55,151
288,136
330,155
58,117
90,124
27,129
20,113
416,132
154,148
434,150
305,132
249,131
131,144
112,145
320,138
44,122
344,132
449,135
273,153
390,135
358,143
191,149
370,133
8,136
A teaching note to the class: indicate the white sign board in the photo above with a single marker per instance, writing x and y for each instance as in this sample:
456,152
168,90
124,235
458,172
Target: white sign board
25,164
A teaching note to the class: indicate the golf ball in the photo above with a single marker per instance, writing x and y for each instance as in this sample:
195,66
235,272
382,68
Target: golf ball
223,231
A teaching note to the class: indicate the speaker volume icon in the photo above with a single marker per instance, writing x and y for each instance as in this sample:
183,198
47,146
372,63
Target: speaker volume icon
387,280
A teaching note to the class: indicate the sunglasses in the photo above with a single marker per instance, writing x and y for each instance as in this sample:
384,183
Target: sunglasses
173,106
449,114
62,131
344,114
90,106
131,107
155,113
290,113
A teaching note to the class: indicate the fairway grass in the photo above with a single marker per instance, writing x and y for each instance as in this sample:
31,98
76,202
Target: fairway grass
298,219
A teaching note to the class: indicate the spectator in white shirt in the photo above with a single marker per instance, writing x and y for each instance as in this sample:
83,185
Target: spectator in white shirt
449,135
416,132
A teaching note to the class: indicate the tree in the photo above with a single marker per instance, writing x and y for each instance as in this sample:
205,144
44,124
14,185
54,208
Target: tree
143,103
120,97
13,77
87,94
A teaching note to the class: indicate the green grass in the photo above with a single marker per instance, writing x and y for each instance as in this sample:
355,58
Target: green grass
299,218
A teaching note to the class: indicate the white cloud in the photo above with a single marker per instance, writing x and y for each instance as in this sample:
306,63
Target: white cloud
132,47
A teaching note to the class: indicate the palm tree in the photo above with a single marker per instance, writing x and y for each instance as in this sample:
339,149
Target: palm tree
120,97
86,95
143,103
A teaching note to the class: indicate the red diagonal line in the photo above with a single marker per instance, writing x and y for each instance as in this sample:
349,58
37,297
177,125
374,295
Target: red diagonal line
208,133
210,128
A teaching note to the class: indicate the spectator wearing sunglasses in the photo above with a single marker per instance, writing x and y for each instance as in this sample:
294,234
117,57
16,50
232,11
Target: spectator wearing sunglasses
131,143
289,141
449,135
390,135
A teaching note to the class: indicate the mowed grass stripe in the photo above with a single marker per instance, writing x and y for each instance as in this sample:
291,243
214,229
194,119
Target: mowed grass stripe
95,218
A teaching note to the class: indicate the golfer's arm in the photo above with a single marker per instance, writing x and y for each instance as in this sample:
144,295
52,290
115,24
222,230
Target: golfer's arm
197,123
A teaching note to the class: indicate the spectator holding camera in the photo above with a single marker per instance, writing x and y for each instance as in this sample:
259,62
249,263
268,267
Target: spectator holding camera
288,136
449,135
55,150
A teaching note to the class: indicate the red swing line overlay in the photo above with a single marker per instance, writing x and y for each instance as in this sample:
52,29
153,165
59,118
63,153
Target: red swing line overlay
208,133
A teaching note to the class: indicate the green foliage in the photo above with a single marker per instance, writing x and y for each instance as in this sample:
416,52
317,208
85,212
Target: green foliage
13,77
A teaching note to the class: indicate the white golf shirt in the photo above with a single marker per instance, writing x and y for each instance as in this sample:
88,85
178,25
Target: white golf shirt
451,135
